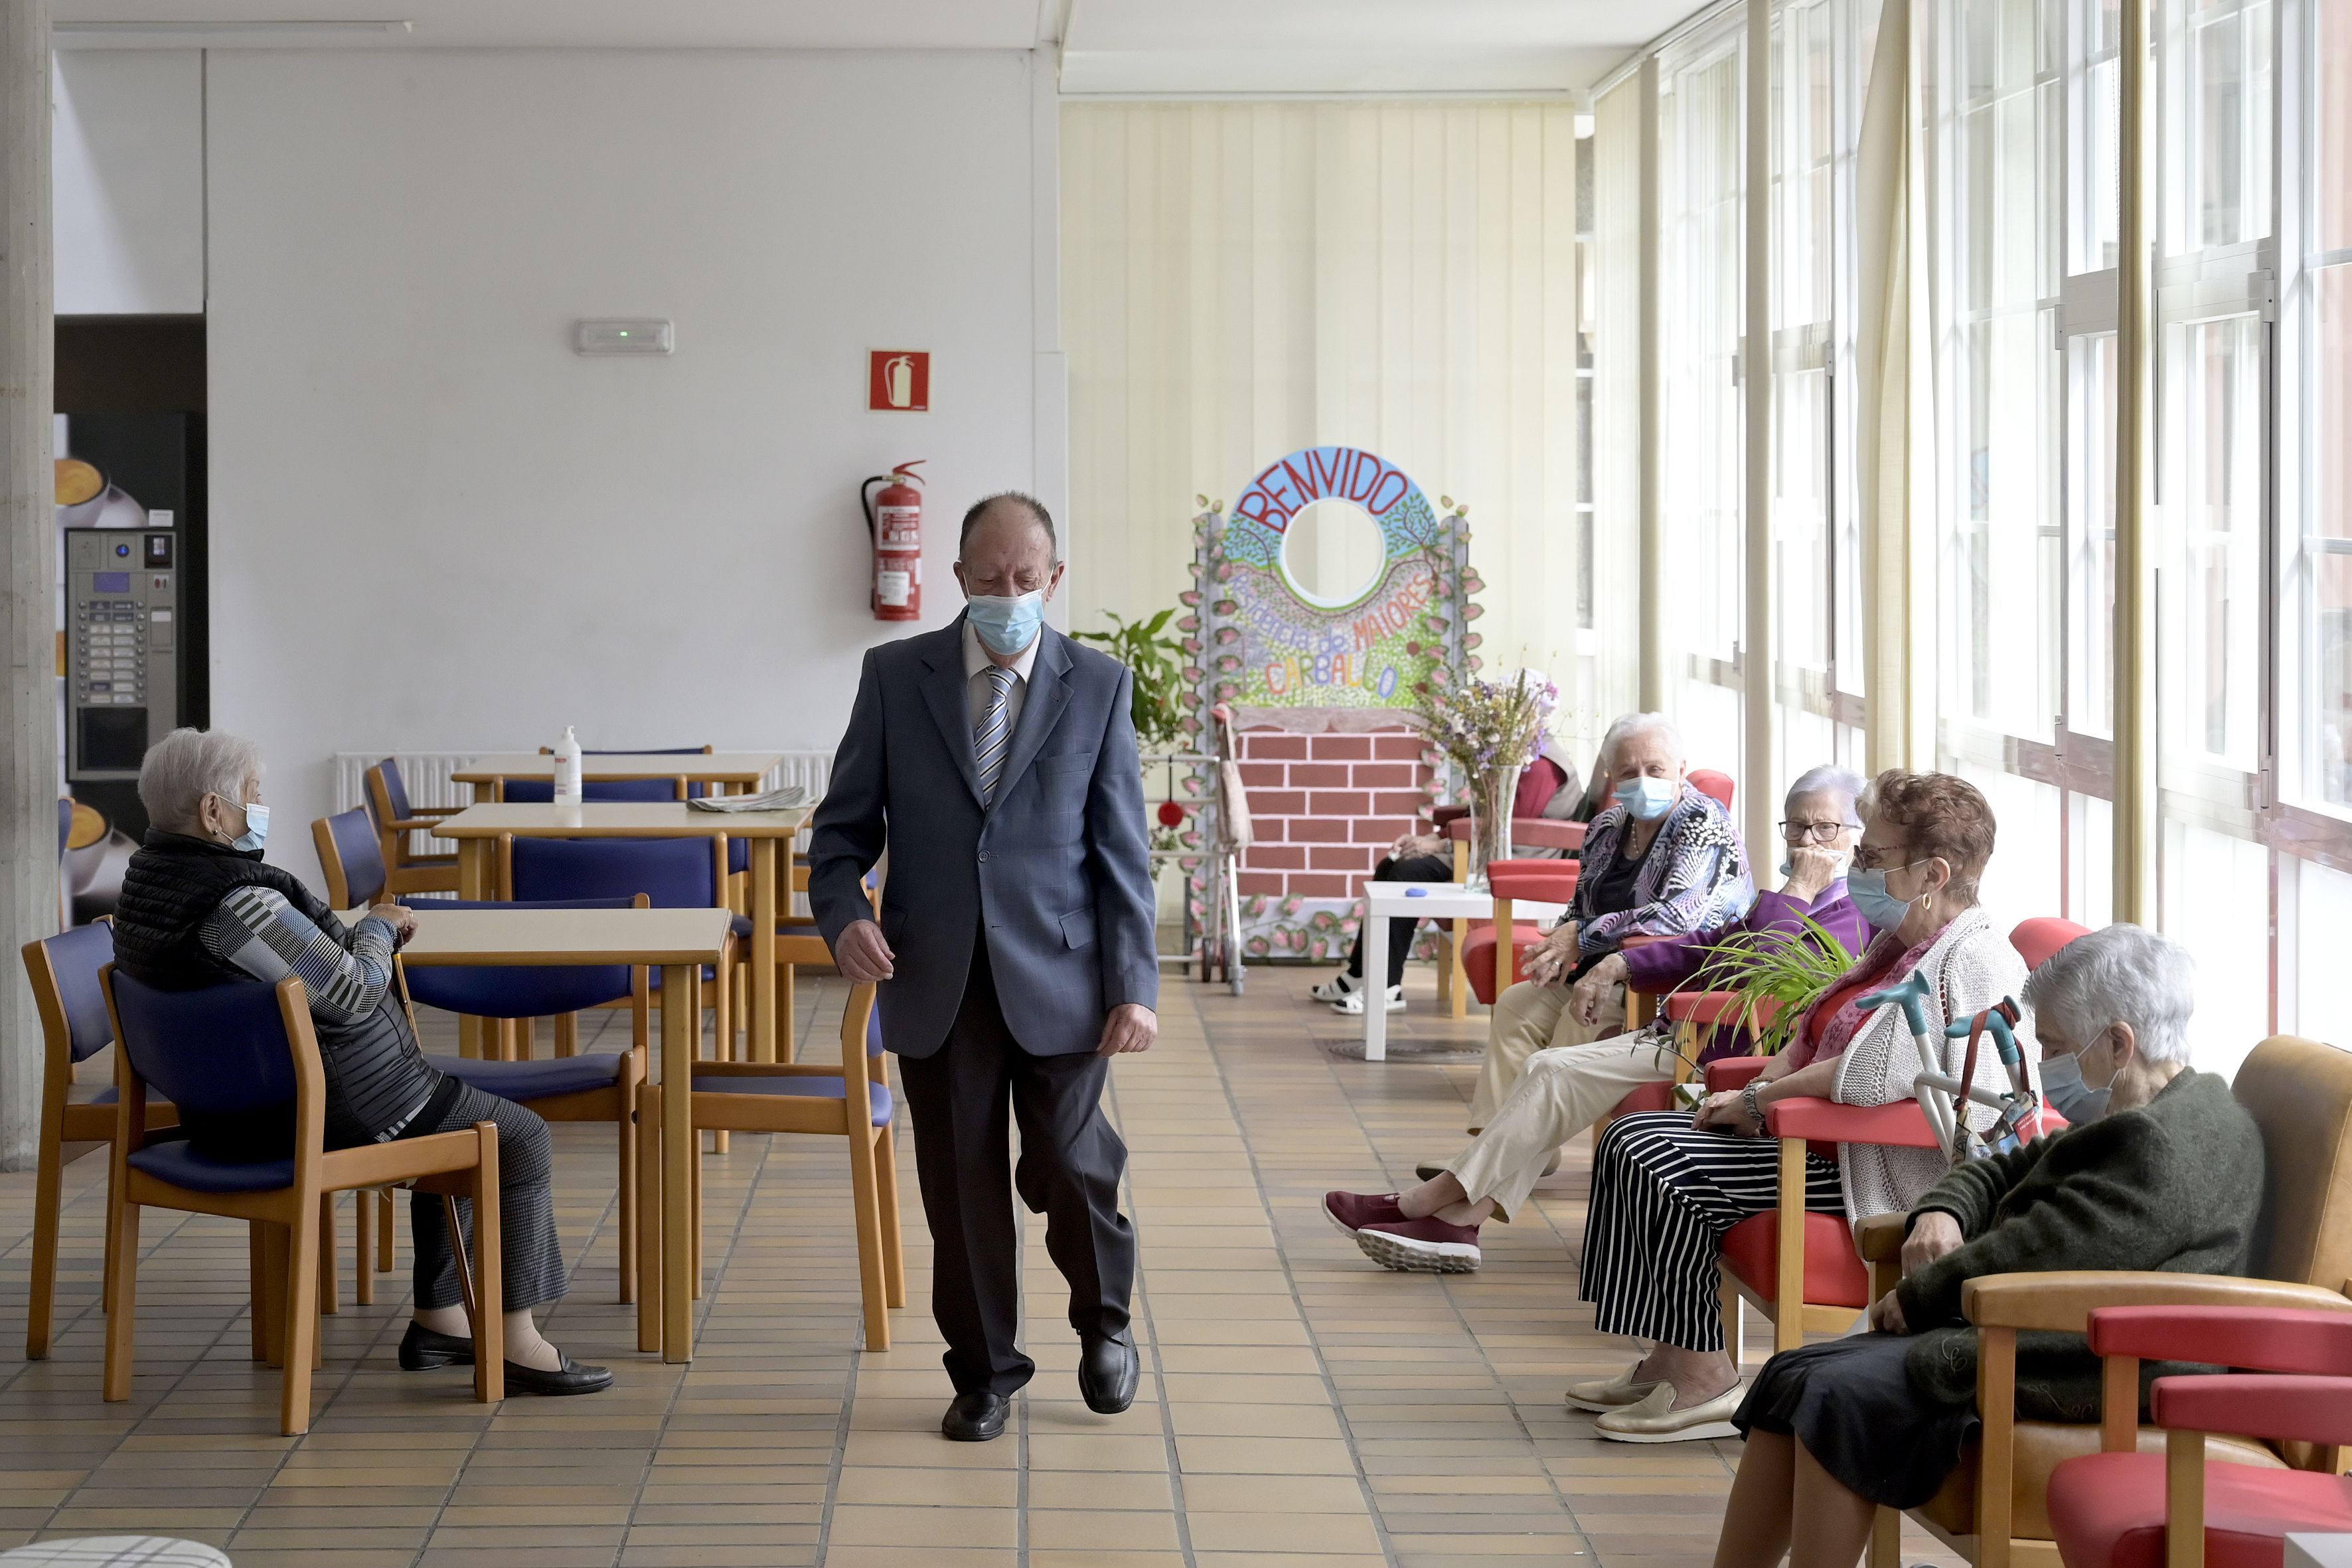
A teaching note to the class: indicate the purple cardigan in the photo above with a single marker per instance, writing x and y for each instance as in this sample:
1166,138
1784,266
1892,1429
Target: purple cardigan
1660,966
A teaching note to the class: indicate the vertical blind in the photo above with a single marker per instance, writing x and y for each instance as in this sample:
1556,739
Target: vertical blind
1242,280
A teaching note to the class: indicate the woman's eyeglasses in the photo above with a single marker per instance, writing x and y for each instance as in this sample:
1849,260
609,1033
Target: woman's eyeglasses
1814,832
1889,860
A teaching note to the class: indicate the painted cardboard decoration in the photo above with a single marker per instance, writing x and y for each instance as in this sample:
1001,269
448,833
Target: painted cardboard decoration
1280,654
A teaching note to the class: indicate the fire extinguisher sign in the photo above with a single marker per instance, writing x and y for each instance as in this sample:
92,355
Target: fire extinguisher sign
898,381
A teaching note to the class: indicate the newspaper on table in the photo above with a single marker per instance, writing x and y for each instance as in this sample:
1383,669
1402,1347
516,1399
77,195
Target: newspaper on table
783,799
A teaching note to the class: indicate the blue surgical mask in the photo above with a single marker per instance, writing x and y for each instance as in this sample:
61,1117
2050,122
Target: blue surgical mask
1648,798
1007,626
1882,908
2062,1087
257,830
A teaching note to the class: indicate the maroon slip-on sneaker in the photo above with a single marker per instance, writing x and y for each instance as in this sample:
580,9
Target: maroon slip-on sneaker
1353,1211
1420,1246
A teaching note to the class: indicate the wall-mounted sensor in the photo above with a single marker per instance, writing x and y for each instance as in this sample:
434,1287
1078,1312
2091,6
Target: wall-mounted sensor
621,337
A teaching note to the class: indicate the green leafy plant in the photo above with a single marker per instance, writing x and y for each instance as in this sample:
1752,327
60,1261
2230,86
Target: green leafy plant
1774,978
1157,661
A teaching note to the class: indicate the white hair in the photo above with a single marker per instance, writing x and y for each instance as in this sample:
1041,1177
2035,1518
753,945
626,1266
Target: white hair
1604,762
2123,974
1842,783
186,765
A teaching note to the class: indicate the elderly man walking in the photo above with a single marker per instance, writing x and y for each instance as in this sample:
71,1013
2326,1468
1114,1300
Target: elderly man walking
996,760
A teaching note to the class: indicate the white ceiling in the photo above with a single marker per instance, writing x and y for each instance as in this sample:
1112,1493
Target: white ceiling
1207,47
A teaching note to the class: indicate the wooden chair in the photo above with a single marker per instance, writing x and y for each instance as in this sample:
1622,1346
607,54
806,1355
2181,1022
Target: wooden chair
1993,1509
1461,950
2121,1509
798,943
241,1049
351,853
63,972
570,1086
396,819
852,1102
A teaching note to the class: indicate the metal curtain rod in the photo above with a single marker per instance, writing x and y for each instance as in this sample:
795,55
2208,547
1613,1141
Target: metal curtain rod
1697,21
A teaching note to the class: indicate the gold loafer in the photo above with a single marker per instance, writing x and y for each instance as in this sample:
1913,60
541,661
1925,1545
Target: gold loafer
1602,1395
1655,1419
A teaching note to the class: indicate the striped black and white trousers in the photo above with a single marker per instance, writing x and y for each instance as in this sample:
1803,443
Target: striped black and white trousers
531,1253
1663,1193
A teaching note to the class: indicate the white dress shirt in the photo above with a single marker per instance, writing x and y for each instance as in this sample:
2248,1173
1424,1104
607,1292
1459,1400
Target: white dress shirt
976,683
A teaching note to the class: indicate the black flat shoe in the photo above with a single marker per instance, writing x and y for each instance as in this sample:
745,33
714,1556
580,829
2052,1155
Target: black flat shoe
422,1349
1107,1370
573,1379
975,1417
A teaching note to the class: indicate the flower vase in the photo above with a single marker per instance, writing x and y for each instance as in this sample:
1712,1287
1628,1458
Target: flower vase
1491,796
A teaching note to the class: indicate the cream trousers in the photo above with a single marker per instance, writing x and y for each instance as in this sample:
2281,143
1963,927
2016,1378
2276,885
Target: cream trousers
1529,1018
1560,1091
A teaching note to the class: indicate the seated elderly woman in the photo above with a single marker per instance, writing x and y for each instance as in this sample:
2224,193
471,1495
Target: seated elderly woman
1665,1187
201,908
1663,861
2169,1179
1547,788
1563,1090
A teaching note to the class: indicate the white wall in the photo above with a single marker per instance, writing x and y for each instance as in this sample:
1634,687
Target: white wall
435,526
126,150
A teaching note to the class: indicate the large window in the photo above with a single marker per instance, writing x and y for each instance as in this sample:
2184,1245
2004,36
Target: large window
1703,230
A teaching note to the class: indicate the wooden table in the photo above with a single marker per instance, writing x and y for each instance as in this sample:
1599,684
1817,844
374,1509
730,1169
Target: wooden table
678,942
736,773
478,830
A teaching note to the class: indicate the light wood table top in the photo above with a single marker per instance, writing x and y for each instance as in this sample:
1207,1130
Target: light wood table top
618,819
481,938
702,767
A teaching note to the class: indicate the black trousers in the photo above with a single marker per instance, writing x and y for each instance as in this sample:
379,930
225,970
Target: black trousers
1414,868
531,1253
1069,1169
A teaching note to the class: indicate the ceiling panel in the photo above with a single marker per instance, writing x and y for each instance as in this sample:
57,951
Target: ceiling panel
578,24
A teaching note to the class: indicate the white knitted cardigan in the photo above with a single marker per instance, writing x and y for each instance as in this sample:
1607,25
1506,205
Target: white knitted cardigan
1969,968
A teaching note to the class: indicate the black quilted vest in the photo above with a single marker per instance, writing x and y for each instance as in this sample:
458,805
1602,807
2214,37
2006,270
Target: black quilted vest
375,1071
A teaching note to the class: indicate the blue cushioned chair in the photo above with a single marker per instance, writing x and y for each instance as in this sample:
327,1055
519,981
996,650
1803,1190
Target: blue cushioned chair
571,1087
396,819
245,1049
851,1101
351,854
63,972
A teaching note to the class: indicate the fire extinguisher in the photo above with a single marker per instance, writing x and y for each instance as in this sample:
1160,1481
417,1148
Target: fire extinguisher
894,522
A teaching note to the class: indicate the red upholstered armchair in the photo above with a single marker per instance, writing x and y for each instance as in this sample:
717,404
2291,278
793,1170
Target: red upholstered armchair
2123,1509
1469,966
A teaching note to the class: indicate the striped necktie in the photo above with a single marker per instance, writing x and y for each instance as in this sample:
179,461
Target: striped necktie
991,739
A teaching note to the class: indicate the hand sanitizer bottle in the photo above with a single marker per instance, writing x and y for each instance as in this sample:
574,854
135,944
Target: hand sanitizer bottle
567,769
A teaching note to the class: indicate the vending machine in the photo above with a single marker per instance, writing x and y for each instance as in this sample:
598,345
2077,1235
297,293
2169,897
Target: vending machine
123,630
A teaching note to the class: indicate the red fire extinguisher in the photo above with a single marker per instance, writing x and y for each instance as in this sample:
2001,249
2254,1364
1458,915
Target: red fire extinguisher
893,522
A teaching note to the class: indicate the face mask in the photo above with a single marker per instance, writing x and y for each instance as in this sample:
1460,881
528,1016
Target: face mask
1882,908
2063,1086
1007,626
257,830
1647,798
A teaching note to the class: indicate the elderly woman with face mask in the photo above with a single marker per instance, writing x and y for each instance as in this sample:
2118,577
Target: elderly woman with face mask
201,908
1663,861
1564,1089
2169,1179
1666,1188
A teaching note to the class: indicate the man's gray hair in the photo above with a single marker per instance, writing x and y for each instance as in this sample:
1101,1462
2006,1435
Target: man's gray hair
186,765
1026,502
1843,784
2123,974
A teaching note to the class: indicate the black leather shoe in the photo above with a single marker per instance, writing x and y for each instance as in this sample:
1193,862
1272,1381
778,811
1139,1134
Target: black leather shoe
975,1417
422,1349
1107,1369
573,1379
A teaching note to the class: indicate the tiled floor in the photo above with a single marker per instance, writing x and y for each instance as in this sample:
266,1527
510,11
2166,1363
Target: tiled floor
1298,1407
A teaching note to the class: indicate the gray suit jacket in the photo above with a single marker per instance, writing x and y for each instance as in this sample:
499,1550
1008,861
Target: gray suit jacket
1057,865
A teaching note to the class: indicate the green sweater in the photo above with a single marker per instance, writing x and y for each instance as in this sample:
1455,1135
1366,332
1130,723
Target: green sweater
2172,1186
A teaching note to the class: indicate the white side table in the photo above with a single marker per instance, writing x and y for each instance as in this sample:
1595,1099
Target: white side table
1385,901
2319,1551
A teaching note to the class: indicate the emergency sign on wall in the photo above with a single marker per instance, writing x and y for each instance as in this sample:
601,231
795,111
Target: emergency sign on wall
898,381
